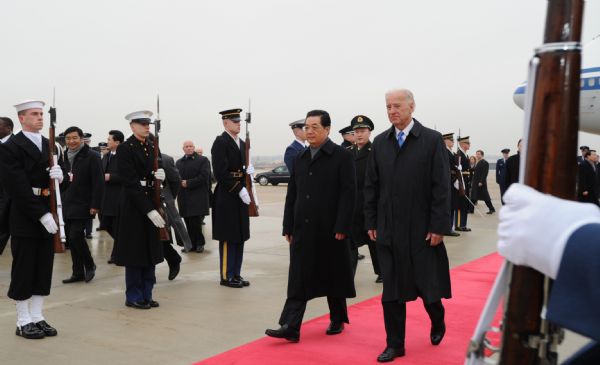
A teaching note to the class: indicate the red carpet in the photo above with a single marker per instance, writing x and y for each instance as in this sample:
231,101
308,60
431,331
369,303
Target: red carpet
364,338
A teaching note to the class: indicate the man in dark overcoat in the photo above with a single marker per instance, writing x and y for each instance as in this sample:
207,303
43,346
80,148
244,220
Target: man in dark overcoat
82,199
454,181
464,205
479,190
112,187
513,167
230,220
138,245
317,223
501,171
194,196
362,127
407,205
587,179
297,146
6,132
24,162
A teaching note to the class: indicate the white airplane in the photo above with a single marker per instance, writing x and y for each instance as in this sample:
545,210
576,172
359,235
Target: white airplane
589,107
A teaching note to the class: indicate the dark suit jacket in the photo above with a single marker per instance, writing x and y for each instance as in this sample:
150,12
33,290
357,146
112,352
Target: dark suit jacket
83,186
112,187
194,200
24,167
480,174
290,154
359,232
501,172
512,169
587,181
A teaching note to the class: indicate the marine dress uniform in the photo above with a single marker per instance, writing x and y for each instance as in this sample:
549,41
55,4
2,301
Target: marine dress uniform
138,246
230,220
463,207
25,177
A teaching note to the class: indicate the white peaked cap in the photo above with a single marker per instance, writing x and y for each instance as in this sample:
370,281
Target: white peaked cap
29,104
142,114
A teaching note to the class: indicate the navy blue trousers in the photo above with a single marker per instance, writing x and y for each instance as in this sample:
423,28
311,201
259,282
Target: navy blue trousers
232,255
139,282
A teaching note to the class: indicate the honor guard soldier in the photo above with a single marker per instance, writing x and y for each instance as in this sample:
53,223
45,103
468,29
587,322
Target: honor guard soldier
138,246
464,205
295,147
455,184
362,127
231,223
26,179
348,136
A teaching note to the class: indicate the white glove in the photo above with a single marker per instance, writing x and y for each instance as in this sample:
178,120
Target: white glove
250,169
244,196
49,223
56,172
159,174
156,218
534,227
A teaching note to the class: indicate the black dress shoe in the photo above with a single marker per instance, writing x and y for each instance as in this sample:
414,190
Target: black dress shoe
491,212
335,328
452,234
138,305
48,330
90,273
200,249
360,257
241,280
152,303
110,261
174,271
464,229
284,332
73,279
88,236
30,331
390,353
379,279
232,283
437,334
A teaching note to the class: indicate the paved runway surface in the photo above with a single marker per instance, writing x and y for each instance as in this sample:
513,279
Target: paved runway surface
197,317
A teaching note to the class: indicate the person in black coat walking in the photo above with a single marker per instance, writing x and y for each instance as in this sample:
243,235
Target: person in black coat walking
112,187
501,171
479,190
512,167
194,196
82,199
407,206
317,223
587,181
138,245
230,219
26,177
362,127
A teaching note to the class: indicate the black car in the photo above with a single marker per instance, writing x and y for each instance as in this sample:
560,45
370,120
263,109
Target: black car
280,174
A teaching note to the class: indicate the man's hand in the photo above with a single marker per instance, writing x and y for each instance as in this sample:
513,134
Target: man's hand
184,183
340,236
244,196
160,175
49,223
289,238
585,193
434,238
480,184
106,177
56,172
93,211
156,218
372,234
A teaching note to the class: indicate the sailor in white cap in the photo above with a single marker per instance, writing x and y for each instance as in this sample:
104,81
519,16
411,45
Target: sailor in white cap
137,244
297,146
26,177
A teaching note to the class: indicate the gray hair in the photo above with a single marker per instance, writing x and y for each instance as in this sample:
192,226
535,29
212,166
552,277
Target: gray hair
407,94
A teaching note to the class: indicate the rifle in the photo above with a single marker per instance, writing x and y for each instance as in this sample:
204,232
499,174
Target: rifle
59,238
252,207
163,233
552,130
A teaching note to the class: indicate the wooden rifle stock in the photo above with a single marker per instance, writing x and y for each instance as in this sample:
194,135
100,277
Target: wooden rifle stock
549,167
163,233
252,207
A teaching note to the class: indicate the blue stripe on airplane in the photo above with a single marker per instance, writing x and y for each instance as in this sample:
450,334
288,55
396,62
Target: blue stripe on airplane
586,85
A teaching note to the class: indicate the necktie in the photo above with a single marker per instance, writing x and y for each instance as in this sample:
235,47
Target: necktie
400,139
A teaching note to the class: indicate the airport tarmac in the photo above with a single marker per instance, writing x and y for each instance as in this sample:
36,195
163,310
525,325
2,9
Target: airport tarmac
197,317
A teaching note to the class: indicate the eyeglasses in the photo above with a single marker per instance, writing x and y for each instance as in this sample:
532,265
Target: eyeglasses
316,128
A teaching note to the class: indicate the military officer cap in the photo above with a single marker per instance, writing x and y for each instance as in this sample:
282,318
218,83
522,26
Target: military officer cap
346,130
141,117
231,114
464,139
87,137
584,148
29,104
449,136
297,124
102,144
360,121
506,150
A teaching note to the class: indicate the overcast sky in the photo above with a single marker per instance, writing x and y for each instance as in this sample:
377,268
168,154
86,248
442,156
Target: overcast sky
462,60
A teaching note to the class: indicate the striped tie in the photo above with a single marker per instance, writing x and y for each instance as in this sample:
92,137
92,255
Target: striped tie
400,139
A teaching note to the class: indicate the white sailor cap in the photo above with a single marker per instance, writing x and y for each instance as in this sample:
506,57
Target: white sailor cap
142,116
29,104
